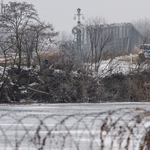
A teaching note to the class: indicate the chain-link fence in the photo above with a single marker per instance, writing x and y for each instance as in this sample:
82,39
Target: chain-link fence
122,129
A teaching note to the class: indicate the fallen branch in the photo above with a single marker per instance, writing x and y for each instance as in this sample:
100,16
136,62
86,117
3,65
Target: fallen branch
37,91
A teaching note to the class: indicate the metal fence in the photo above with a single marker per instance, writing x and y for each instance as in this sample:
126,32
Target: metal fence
124,37
122,129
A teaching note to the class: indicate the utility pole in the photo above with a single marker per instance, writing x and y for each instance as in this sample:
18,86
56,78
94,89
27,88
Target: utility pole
77,31
78,10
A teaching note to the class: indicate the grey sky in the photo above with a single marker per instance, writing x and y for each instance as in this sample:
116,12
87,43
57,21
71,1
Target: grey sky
60,12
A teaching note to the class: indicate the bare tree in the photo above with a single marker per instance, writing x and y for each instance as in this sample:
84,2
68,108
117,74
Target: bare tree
5,48
38,39
143,26
24,30
14,20
98,40
65,36
28,45
44,38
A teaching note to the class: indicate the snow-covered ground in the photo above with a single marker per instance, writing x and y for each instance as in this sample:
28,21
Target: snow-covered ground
119,64
71,126
76,126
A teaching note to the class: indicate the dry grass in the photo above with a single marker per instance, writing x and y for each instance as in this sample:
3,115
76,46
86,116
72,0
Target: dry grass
10,59
51,57
135,50
54,56
129,58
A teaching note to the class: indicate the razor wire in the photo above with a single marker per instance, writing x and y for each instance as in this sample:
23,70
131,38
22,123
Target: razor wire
122,129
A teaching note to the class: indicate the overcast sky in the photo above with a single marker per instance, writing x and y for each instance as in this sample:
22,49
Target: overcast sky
60,12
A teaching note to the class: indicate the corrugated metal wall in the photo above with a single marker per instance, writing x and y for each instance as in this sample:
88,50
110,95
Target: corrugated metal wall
111,37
